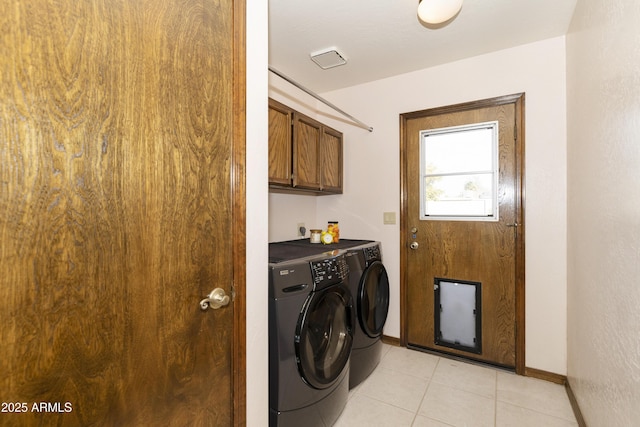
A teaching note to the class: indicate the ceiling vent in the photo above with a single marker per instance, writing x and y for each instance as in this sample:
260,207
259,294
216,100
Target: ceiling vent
328,58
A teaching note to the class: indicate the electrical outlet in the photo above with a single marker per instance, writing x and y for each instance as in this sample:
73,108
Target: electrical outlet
301,229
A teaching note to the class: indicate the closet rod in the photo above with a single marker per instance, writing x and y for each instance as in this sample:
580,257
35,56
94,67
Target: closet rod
319,98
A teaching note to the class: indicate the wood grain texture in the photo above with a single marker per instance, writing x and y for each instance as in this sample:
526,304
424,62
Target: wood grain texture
306,152
305,156
239,215
476,251
116,133
280,143
331,160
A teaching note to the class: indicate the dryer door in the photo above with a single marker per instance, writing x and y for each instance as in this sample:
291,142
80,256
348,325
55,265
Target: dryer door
373,299
324,335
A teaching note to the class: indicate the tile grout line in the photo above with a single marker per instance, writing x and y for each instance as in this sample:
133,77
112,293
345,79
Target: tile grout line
415,413
425,391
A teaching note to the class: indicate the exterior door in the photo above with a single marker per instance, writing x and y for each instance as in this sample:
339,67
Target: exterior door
121,199
488,253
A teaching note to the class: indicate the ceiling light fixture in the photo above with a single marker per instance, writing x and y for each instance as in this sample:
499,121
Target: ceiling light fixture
438,11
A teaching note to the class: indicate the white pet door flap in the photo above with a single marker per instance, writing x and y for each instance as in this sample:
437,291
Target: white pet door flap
457,315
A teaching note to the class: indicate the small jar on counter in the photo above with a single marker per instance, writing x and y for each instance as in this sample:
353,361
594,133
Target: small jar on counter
315,236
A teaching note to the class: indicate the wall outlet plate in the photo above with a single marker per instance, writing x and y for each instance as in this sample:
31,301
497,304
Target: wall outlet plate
301,229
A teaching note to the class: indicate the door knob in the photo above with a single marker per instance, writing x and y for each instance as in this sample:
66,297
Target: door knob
216,299
414,245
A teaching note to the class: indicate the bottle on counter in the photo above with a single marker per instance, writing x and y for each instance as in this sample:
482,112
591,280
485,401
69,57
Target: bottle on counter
334,229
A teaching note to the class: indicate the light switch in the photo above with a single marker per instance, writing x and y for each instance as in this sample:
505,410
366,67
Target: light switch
389,217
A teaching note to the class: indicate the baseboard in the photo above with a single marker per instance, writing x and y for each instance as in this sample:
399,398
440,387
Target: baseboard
559,379
574,405
391,340
544,375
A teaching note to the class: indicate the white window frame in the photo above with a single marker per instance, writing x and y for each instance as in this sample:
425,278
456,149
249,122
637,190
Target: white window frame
493,125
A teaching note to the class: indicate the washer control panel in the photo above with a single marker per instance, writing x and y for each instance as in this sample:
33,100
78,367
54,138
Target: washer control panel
372,253
329,271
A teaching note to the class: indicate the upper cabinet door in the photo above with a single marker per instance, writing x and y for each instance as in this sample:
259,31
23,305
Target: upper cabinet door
331,160
307,134
280,158
305,156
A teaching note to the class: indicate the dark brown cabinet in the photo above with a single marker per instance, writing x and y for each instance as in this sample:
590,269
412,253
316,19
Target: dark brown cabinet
304,154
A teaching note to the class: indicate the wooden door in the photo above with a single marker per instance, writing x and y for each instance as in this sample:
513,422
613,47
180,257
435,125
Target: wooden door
121,200
306,152
280,143
487,252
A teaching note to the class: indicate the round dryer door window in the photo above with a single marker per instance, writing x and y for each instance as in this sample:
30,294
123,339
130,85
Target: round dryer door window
373,299
324,335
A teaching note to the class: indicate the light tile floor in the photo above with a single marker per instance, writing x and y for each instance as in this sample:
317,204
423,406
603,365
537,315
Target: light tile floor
411,388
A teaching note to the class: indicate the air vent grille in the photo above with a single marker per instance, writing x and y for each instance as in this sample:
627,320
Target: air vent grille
328,58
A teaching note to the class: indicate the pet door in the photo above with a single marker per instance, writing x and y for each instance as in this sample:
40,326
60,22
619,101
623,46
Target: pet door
457,315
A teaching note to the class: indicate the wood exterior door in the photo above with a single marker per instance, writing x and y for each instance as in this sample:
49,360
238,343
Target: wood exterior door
121,208
490,253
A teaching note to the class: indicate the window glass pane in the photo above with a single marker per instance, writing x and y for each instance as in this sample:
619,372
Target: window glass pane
461,151
462,195
459,168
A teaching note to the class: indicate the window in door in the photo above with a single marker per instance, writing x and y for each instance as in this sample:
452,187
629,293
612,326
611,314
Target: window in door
459,169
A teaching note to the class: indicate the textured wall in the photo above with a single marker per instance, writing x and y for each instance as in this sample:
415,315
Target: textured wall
603,104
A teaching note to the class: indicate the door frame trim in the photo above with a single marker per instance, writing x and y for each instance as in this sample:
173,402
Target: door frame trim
518,100
238,202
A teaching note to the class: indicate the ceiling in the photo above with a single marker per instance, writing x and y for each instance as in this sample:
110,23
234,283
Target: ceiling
383,38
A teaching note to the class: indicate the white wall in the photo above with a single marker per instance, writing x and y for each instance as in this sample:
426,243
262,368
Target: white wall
372,172
257,224
298,209
603,80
